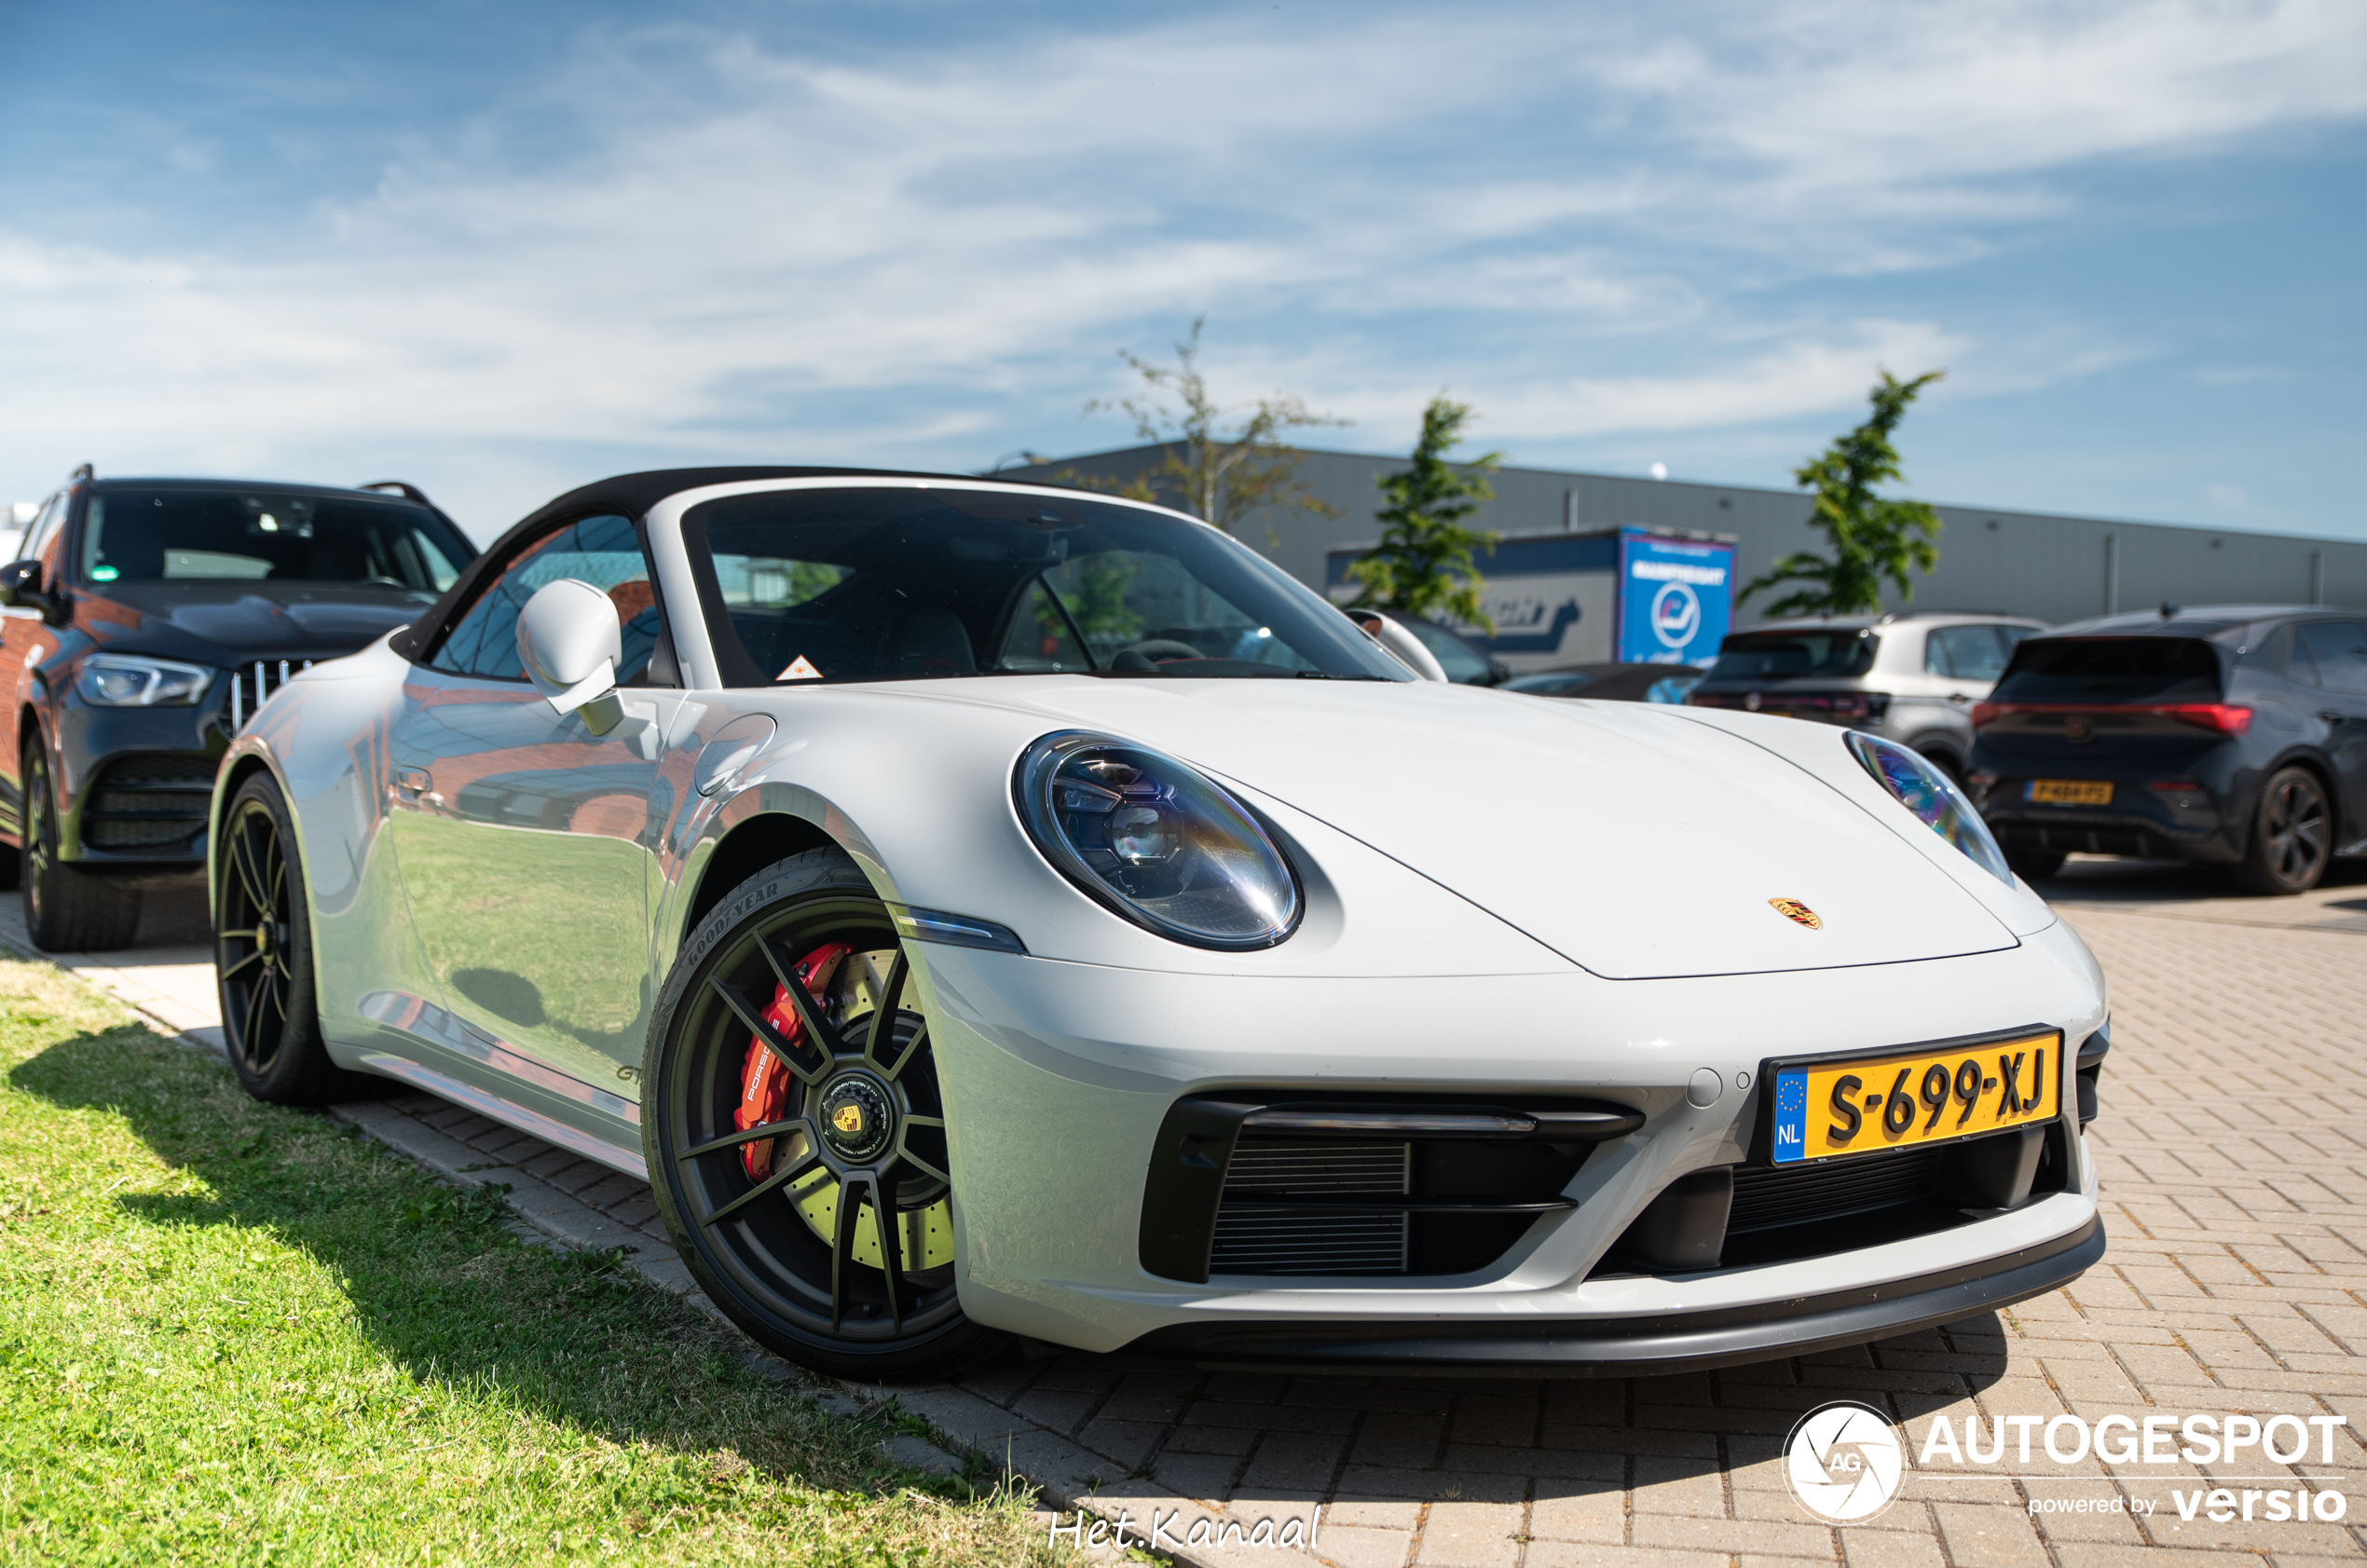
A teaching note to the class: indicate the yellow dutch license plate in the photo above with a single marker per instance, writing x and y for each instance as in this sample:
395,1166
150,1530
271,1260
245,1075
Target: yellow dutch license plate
2069,792
1821,1110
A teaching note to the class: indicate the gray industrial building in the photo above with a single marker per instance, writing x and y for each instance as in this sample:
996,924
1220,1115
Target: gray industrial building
2056,569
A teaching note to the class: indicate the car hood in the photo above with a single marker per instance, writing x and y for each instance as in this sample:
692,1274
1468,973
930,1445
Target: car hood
1635,841
224,622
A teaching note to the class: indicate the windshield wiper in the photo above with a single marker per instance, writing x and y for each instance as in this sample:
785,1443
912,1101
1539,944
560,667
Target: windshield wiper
1328,675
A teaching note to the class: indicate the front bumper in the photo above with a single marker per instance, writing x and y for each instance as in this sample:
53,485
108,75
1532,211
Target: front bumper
1652,1344
1058,1077
135,783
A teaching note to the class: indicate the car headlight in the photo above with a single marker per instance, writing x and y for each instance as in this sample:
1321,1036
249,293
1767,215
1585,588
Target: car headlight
1155,841
1937,804
122,680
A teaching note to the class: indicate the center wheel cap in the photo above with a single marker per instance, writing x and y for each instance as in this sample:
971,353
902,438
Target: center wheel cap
857,1116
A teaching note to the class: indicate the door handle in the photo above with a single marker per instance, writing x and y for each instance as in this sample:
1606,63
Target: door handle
409,782
2331,716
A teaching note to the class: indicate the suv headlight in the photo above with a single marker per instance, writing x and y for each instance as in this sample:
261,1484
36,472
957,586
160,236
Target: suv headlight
1155,841
123,680
1919,787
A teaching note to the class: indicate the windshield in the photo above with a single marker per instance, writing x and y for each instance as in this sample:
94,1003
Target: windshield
2111,670
249,536
922,583
1831,654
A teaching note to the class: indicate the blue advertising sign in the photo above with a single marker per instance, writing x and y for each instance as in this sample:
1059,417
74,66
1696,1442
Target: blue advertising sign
1675,598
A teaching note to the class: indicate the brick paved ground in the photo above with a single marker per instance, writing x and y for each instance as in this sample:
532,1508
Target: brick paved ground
2235,1194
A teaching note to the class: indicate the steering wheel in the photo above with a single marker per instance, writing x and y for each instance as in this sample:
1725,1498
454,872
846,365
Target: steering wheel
388,581
1160,649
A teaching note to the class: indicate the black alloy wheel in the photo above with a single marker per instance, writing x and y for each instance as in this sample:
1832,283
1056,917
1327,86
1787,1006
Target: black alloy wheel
2292,836
66,908
824,1231
262,958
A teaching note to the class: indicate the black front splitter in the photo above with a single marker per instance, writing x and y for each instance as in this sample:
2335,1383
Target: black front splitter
1643,1346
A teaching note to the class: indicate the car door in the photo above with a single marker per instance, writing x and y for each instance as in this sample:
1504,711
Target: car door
26,638
1963,662
527,844
2336,652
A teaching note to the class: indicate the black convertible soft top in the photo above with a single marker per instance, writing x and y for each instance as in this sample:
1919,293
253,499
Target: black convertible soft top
632,495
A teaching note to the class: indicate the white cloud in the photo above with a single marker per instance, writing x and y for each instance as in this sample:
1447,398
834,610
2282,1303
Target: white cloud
1570,214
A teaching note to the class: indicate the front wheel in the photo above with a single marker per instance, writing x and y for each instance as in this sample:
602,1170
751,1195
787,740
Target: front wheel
2292,836
795,1132
262,958
66,908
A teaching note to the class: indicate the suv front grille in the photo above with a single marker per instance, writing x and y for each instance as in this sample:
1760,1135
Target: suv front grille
252,684
148,803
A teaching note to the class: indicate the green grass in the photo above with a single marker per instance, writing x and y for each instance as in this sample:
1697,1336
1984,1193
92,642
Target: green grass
236,1334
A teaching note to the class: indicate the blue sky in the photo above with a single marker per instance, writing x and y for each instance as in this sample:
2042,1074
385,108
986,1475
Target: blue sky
501,249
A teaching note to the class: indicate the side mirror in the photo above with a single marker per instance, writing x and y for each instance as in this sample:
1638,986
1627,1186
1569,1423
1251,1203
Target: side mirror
570,640
1400,644
1498,672
21,584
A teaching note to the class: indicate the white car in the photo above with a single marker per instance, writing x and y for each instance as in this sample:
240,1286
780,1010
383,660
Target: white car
983,908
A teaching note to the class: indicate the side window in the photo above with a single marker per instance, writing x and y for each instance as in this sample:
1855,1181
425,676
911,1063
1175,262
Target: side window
2273,654
2013,637
2339,650
1966,653
1042,637
604,551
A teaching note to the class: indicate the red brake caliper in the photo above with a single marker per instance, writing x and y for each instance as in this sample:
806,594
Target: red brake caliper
765,1084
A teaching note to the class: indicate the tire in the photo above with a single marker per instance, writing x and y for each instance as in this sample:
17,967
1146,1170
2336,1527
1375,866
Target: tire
2034,865
765,1225
66,908
263,959
1940,758
2292,836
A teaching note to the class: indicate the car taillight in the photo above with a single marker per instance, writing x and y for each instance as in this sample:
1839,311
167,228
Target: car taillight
2226,718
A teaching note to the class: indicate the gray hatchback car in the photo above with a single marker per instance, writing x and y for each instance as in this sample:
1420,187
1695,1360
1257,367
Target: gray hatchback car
1911,676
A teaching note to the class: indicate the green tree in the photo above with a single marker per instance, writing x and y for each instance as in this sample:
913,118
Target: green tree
1217,475
1872,538
1424,564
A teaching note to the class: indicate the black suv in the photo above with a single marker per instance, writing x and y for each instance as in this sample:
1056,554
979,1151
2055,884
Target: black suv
2235,735
146,621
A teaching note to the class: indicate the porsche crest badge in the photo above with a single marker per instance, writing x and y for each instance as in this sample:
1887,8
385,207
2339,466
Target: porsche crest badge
1794,910
848,1119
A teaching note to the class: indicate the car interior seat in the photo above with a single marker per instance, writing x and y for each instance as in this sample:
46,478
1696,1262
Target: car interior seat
935,642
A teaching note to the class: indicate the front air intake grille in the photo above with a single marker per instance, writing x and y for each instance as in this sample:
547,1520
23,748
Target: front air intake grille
1361,1183
153,802
1297,1241
1765,1200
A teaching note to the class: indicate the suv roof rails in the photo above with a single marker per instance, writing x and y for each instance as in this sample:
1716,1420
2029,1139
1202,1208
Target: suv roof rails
1920,614
408,492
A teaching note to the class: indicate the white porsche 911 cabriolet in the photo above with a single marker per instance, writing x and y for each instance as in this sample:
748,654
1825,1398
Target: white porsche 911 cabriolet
986,909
